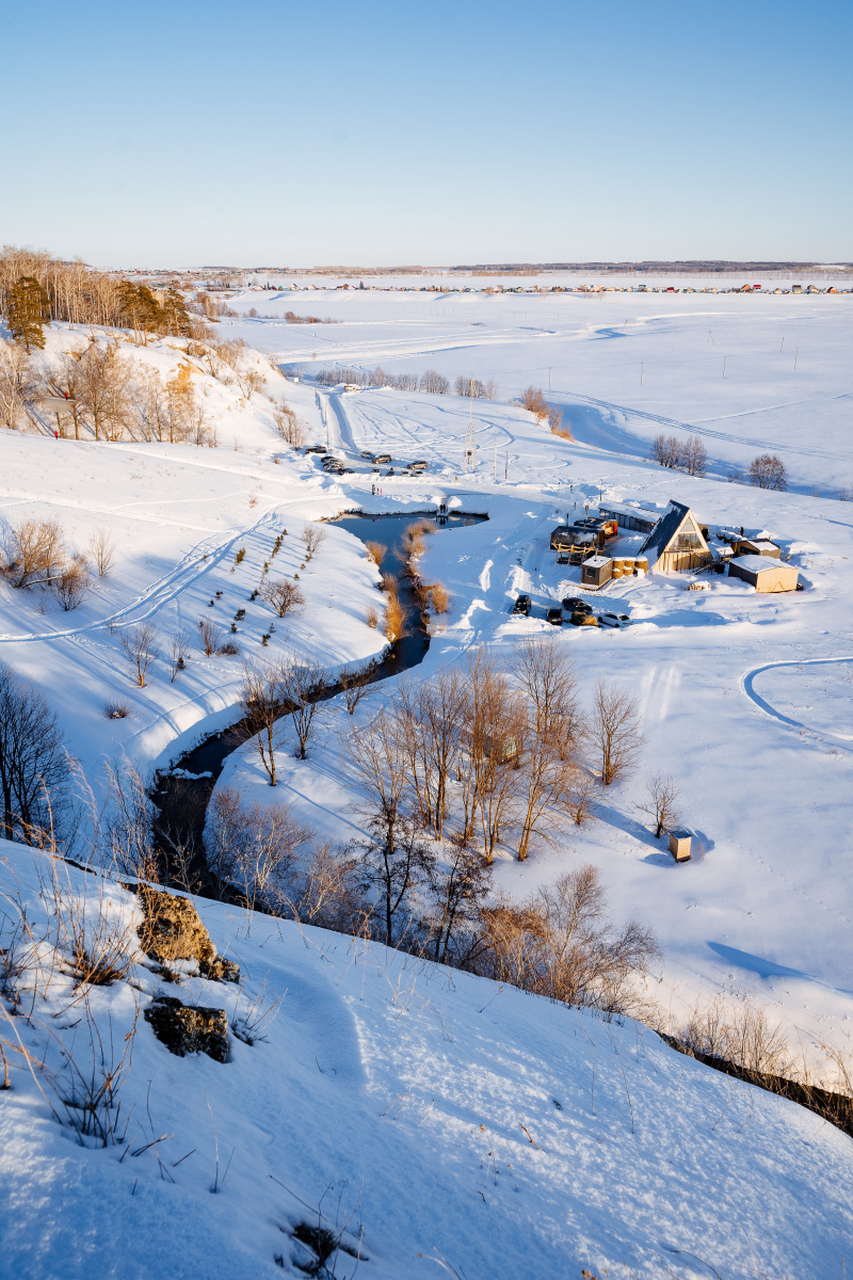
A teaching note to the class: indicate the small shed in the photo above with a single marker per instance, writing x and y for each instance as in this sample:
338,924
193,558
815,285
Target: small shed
679,844
764,573
596,571
757,547
677,542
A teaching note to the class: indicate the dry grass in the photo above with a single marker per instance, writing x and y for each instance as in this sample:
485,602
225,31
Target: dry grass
395,618
372,618
376,551
563,432
440,597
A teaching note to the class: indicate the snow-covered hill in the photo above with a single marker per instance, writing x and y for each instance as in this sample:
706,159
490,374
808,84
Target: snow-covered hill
431,1122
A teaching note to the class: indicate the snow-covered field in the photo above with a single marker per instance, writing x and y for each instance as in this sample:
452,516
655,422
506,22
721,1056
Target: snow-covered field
745,699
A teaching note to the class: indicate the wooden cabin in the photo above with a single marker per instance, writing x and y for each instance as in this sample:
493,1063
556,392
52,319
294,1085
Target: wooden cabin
677,542
764,573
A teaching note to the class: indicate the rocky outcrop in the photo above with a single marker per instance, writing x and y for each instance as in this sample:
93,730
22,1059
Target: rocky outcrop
172,930
187,1029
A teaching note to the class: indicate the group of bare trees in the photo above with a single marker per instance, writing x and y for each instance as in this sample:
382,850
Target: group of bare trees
94,392
676,454
494,756
35,556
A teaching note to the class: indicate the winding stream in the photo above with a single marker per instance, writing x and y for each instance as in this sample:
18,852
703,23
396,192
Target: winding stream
182,795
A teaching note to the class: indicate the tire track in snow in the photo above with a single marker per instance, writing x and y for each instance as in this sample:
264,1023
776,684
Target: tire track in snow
747,684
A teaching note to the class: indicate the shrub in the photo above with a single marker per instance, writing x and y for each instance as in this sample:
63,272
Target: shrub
210,636
116,710
372,618
282,595
533,400
229,649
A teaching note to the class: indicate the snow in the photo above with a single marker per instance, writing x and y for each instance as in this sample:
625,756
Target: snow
745,700
431,1116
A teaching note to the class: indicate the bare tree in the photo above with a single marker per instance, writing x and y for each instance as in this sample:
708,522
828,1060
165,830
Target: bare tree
662,792
283,594
34,552
141,644
768,472
615,731
301,688
210,636
493,747
103,551
34,765
289,427
17,384
255,848
378,767
394,872
356,685
179,652
667,451
533,400
458,886
102,390
560,944
694,457
434,383
328,892
260,702
313,535
70,582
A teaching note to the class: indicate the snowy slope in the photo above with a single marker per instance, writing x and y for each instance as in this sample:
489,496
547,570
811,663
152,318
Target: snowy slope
435,1119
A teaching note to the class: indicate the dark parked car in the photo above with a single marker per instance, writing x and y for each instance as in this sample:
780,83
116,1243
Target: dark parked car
522,605
574,604
555,616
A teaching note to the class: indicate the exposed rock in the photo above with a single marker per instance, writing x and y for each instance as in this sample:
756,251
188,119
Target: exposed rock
187,1029
172,930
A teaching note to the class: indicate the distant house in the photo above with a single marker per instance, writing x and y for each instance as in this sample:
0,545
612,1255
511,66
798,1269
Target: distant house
764,573
676,542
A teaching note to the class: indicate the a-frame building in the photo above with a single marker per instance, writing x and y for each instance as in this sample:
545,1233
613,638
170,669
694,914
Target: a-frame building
676,542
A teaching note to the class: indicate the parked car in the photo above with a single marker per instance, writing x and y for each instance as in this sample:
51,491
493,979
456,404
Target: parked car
420,465
555,616
523,605
382,458
614,620
315,448
367,455
574,604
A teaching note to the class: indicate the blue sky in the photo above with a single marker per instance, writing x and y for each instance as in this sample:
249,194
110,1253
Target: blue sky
271,132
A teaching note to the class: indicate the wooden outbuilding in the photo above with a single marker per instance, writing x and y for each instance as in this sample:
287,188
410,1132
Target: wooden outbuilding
764,573
596,571
679,844
630,517
677,542
756,547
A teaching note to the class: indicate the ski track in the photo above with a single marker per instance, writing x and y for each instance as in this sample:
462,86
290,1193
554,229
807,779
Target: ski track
194,565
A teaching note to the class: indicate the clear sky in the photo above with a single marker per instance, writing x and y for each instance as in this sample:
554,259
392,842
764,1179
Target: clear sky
378,133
